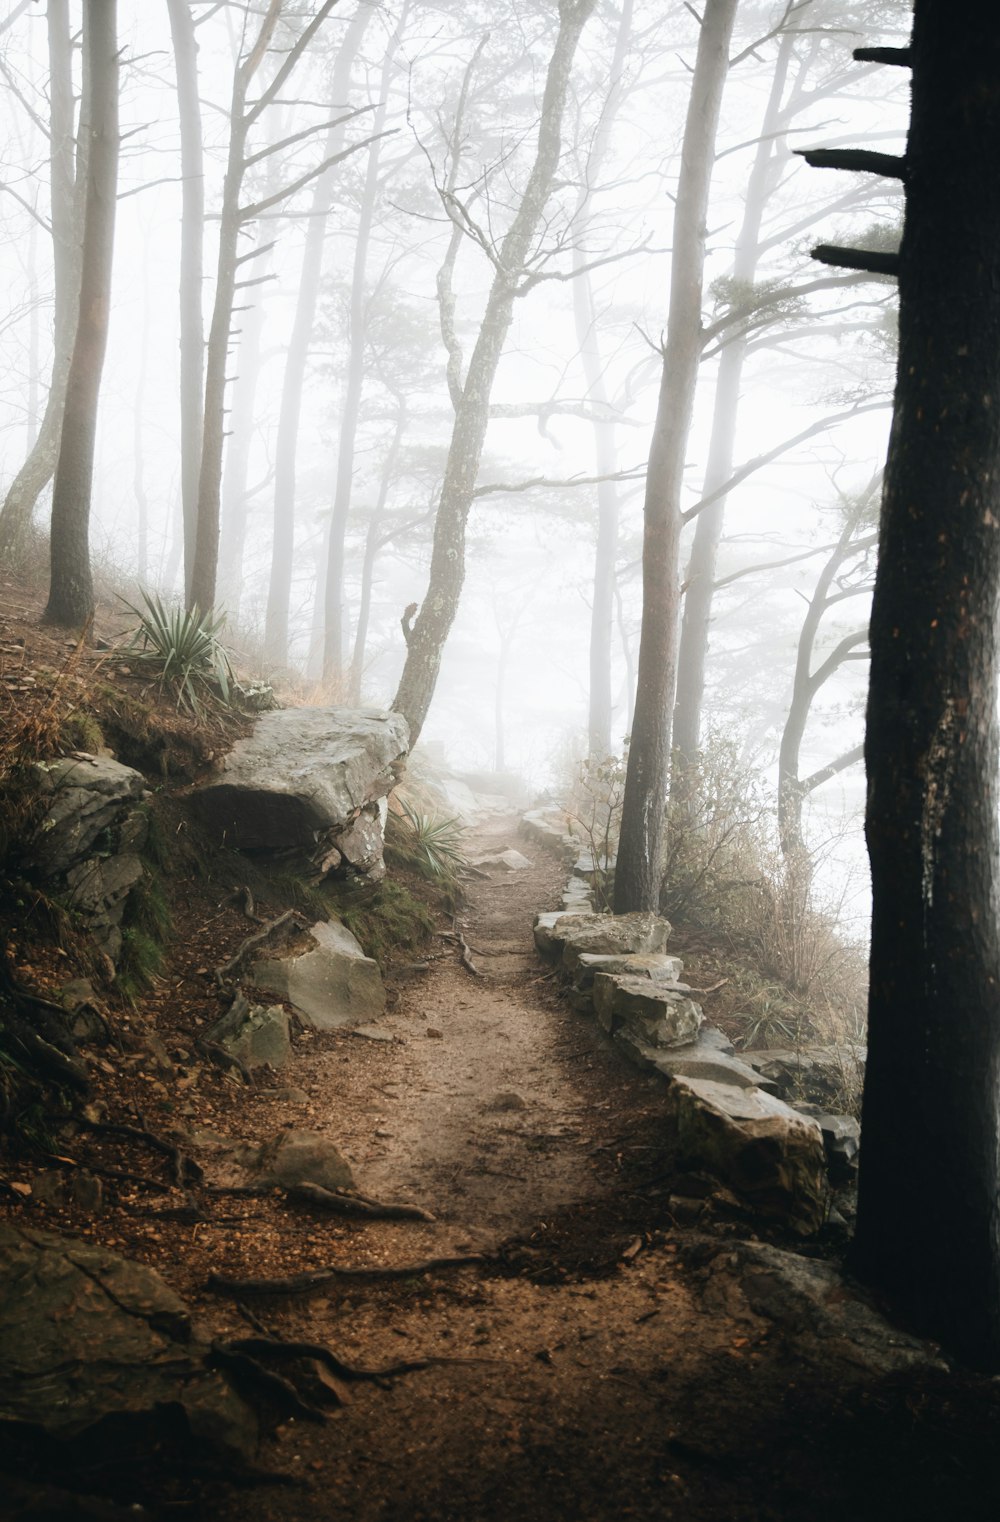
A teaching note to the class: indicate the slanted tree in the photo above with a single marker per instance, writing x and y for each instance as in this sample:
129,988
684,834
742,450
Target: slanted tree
640,850
427,636
71,589
67,183
928,1230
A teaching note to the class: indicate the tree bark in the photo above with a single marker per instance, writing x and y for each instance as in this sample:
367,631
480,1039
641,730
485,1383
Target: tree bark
71,591
286,443
67,189
928,1231
447,571
640,849
192,326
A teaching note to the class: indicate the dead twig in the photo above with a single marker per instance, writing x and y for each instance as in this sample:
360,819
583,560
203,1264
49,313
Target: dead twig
186,1170
225,972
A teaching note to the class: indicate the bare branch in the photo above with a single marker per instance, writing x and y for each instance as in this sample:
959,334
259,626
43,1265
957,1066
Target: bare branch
297,137
761,460
545,481
249,213
294,54
896,57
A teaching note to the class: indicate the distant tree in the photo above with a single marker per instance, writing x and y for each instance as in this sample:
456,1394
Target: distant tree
512,277
191,274
639,866
235,215
845,574
300,341
928,1229
71,592
67,182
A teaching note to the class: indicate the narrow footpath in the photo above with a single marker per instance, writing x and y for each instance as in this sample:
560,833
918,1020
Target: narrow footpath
601,1361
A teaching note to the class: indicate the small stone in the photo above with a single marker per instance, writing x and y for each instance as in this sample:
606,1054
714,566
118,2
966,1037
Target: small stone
434,1032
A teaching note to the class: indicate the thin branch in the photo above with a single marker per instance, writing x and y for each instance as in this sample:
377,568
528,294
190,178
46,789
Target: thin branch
824,774
760,460
841,652
291,60
297,137
545,481
250,213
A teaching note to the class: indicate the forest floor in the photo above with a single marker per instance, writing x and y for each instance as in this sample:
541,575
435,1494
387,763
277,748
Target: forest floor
595,1359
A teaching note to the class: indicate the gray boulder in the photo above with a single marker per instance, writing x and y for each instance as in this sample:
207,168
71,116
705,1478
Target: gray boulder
360,845
303,774
770,1156
91,797
611,935
257,1035
330,983
706,1058
99,1351
296,1157
656,966
658,1016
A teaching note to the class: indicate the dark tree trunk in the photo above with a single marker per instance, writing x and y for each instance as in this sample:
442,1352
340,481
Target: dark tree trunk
640,849
928,1229
447,573
192,336
286,443
71,591
67,188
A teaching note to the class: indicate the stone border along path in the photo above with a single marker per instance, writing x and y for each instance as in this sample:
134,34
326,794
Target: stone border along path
724,1117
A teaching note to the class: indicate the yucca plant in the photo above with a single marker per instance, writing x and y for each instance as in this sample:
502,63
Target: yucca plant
434,844
183,646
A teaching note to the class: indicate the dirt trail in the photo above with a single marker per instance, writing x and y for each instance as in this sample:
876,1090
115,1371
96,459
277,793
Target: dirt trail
472,1110
594,1369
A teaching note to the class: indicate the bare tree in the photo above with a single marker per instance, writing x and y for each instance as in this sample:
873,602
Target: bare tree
234,217
192,335
296,362
67,173
638,870
427,635
71,591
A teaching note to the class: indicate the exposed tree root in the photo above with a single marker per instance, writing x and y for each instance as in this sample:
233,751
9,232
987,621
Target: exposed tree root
186,1170
301,1284
226,971
356,1204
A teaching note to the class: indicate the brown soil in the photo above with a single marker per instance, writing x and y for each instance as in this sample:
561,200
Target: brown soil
596,1364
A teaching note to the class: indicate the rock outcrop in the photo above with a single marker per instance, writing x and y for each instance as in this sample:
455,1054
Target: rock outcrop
102,1360
90,839
308,779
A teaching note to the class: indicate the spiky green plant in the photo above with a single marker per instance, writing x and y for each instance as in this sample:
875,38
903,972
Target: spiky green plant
433,845
183,646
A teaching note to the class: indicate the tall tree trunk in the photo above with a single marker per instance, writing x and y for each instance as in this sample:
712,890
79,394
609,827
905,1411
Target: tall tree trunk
192,326
605,442
639,866
71,592
67,191
333,636
286,444
201,593
373,543
701,571
928,1231
426,642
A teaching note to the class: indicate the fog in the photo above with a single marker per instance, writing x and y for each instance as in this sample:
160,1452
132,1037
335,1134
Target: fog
434,202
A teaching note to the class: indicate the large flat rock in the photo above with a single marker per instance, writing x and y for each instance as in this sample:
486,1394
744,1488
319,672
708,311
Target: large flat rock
769,1155
302,773
656,1015
99,1350
329,982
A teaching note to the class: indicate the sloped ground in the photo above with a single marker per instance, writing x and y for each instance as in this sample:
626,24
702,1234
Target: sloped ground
599,1360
